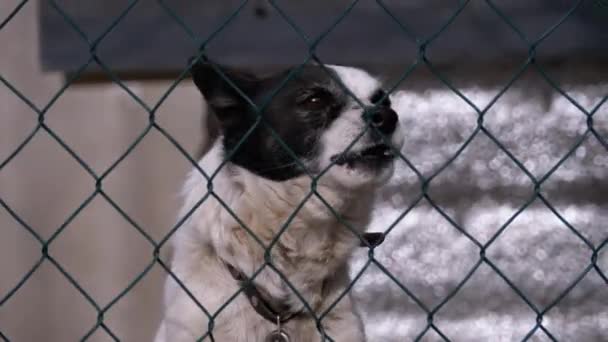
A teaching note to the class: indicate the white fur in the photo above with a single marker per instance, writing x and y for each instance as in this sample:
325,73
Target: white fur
312,252
348,127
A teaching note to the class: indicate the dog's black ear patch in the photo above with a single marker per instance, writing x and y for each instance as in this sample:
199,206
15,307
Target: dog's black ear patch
214,82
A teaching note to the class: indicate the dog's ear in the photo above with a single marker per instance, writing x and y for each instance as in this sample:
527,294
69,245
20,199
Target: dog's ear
212,81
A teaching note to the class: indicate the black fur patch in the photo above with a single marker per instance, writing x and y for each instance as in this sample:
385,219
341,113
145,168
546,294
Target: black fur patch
298,112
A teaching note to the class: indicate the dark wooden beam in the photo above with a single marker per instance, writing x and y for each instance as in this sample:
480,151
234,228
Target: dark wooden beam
148,41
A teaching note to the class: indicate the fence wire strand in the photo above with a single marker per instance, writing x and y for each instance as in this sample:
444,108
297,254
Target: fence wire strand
422,60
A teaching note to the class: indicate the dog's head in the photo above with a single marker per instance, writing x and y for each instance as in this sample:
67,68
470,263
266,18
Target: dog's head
312,114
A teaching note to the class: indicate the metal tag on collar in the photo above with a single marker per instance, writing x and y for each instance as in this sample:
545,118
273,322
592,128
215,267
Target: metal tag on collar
278,335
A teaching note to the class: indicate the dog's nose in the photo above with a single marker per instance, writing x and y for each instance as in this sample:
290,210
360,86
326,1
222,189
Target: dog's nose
385,120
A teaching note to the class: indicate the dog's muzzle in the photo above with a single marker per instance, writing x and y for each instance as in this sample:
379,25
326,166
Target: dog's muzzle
376,156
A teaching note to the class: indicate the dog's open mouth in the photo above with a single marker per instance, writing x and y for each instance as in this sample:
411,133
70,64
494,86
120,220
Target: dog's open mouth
374,156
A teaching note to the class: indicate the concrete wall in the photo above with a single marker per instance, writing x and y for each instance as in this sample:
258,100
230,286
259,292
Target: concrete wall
481,190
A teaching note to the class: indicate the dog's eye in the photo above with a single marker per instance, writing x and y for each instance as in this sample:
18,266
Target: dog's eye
316,100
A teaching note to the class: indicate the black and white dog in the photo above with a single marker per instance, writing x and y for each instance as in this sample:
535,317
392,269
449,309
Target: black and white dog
265,189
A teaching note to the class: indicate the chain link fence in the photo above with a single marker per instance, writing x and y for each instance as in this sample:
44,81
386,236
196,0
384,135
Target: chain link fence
533,45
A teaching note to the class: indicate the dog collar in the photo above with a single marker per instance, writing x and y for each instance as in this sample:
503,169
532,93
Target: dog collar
272,310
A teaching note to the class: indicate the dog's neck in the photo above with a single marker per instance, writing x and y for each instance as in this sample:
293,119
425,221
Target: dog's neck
313,243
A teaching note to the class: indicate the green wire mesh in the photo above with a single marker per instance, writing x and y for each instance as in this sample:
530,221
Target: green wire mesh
311,42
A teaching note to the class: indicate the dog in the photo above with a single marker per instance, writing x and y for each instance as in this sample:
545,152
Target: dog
262,233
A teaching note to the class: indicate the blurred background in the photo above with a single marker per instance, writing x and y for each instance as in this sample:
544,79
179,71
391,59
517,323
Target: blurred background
542,252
